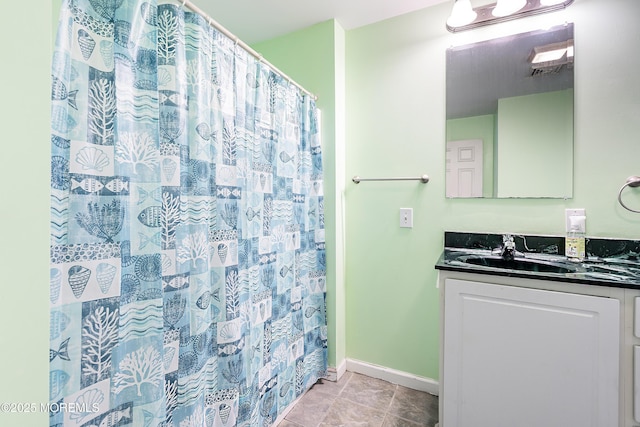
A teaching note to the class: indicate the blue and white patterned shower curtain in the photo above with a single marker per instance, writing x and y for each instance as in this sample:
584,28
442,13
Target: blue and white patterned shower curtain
187,228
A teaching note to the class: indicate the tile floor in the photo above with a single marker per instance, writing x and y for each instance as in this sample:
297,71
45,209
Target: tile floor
358,400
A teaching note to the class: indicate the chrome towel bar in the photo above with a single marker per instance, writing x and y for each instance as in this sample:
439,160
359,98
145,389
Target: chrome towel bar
424,179
632,181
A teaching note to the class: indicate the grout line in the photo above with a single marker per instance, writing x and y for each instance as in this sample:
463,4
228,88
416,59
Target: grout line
393,396
346,383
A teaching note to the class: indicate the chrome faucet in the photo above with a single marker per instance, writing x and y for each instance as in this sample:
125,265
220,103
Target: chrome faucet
508,250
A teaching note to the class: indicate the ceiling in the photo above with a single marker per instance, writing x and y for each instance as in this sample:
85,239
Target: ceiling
481,73
258,20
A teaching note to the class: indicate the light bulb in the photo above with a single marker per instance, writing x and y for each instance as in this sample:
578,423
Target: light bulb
508,7
462,14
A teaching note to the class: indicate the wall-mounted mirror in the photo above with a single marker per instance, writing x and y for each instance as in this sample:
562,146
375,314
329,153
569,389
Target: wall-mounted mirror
510,116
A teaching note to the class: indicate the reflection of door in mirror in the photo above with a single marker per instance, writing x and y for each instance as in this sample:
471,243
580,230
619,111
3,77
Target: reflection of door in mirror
464,168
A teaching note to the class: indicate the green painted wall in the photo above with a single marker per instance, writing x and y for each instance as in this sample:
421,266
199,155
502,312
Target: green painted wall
478,127
24,212
315,57
396,127
535,133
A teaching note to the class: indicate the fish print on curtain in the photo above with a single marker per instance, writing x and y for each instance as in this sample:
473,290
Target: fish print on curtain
187,228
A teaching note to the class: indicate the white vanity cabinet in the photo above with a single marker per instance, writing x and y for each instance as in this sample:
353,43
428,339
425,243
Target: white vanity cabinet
528,353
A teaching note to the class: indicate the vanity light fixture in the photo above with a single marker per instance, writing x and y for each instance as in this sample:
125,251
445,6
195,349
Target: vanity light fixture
462,16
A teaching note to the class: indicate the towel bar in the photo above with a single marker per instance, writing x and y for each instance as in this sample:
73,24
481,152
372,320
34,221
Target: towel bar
632,181
424,179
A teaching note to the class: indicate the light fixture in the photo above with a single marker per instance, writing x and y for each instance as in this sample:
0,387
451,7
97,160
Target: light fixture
464,17
508,7
462,13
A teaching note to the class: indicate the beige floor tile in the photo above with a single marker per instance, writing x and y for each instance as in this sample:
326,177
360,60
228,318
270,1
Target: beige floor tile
414,405
371,392
358,400
287,423
393,421
333,387
346,413
311,409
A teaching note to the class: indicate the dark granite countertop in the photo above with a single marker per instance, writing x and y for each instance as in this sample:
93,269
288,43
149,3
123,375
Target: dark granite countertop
609,262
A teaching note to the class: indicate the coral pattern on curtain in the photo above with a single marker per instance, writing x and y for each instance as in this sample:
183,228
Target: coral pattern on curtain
187,228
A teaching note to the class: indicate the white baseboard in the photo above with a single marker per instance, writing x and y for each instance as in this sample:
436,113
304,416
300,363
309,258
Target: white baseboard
334,374
404,379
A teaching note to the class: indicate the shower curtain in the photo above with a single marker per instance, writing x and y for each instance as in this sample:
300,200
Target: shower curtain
187,229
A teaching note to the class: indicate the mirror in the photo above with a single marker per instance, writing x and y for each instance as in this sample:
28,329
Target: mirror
510,116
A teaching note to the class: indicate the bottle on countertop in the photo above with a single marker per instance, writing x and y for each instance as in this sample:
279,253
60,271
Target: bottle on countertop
575,240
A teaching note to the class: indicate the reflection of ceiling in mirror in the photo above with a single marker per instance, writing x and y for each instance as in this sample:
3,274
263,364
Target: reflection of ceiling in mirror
479,74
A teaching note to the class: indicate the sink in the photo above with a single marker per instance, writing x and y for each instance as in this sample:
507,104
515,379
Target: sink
522,264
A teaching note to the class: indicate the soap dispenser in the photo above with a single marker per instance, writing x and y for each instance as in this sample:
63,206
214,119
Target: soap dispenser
575,240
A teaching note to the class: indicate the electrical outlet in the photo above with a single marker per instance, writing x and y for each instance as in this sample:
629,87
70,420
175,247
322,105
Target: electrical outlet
406,217
572,212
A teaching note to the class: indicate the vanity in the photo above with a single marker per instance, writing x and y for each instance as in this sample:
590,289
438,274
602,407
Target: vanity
529,338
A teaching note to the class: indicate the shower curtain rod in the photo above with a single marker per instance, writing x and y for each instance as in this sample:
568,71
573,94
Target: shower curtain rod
223,30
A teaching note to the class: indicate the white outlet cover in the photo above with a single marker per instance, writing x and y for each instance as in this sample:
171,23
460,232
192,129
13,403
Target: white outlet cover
572,212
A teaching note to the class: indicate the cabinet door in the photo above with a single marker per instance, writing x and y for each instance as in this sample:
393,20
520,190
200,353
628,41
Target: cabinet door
528,358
